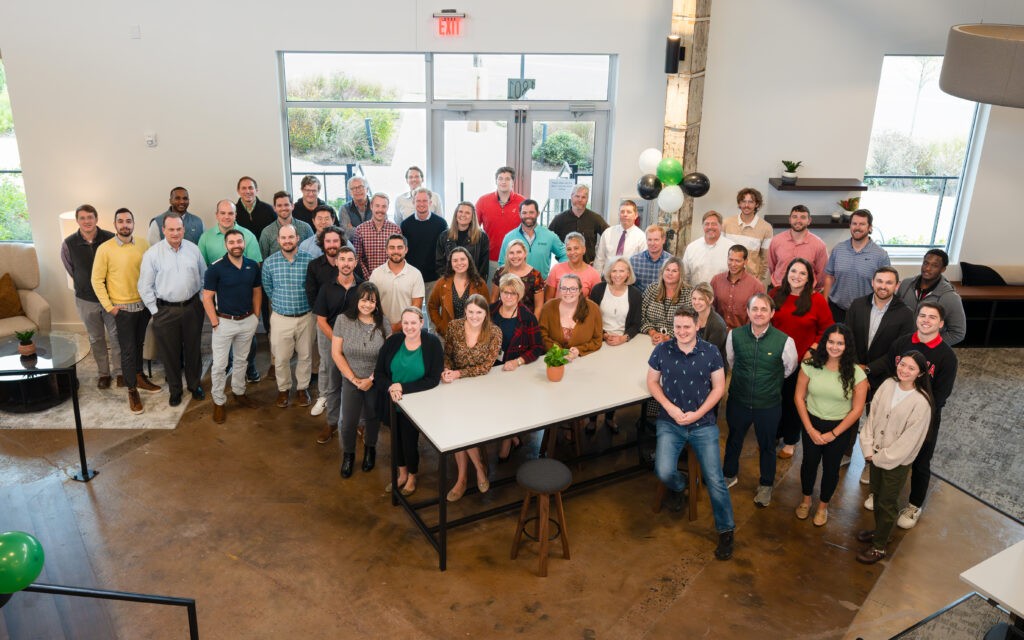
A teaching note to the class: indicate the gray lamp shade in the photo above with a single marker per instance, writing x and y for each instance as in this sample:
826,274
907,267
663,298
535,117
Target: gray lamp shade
985,63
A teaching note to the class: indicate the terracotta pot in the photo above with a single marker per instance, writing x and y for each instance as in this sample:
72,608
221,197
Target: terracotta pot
555,373
27,349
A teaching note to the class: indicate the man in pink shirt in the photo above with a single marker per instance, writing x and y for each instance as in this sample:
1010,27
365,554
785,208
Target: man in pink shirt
797,242
498,212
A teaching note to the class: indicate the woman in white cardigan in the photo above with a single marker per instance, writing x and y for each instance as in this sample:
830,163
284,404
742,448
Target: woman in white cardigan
895,430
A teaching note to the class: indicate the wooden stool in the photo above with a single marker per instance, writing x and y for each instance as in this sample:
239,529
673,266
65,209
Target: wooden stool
693,484
543,478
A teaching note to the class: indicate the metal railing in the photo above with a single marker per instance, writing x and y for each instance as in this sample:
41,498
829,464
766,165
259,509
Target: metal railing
351,169
924,185
555,206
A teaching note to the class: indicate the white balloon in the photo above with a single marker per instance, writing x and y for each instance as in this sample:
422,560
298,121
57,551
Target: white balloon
649,160
670,198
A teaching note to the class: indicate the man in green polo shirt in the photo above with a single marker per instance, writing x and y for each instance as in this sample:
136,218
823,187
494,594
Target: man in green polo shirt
211,243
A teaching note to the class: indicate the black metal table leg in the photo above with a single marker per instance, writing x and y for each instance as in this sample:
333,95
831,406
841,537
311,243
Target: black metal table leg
86,474
442,508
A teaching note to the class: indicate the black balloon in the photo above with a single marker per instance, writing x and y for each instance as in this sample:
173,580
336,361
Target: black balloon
649,187
695,184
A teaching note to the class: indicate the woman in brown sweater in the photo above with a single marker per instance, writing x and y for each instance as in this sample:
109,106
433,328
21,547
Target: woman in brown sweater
571,320
448,298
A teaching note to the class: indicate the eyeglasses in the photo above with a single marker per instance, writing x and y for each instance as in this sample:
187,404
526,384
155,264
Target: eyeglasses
568,289
509,293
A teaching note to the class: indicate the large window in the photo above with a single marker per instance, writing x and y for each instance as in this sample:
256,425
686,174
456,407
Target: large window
14,225
919,143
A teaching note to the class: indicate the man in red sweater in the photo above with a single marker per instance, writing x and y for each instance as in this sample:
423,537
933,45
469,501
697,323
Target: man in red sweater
498,212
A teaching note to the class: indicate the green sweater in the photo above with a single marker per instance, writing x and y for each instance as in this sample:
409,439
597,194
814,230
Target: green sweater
758,369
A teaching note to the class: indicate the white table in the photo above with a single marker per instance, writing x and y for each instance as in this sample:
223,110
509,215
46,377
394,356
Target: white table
473,411
1001,578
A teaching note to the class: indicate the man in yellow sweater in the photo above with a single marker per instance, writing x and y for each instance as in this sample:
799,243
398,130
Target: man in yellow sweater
115,278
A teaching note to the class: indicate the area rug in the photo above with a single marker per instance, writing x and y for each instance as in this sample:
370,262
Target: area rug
108,408
981,440
969,617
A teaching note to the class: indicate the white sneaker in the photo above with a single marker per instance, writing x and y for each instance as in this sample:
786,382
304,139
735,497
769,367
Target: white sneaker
731,482
869,504
909,517
319,406
865,476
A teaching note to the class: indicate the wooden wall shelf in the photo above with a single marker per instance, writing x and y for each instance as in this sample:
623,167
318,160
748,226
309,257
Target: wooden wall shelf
820,184
817,222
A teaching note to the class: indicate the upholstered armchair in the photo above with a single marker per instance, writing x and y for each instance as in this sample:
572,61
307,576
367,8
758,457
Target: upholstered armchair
20,261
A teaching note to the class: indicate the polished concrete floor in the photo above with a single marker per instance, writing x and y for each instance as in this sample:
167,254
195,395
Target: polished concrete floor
251,519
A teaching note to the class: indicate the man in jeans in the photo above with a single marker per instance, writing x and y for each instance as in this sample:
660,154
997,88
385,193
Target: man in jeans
760,357
686,377
235,281
115,280
78,254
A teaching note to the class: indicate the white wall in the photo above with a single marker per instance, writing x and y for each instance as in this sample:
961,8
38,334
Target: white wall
798,79
204,76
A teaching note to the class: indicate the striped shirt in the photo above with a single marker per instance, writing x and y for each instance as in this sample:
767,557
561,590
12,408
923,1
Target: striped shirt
284,283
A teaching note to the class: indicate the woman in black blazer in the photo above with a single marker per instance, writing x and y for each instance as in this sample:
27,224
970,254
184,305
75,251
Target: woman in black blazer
409,361
621,314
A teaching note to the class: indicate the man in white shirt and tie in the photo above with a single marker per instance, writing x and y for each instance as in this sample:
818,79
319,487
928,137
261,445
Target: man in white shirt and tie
624,239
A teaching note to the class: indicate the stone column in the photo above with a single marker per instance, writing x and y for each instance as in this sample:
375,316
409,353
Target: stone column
683,101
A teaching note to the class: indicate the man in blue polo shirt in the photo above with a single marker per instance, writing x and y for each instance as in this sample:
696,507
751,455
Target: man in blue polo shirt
235,282
687,378
852,265
543,242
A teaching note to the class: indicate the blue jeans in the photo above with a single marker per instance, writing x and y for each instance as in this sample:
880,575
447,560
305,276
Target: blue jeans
766,423
704,440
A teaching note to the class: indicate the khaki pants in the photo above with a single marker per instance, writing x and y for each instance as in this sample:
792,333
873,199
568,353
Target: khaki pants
290,336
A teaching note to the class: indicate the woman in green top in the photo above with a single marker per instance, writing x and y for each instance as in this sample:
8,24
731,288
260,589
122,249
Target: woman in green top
409,362
830,394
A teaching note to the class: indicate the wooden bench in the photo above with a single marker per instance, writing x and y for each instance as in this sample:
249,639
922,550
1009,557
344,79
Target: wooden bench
987,307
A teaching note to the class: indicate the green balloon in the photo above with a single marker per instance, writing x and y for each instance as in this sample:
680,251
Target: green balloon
21,560
670,171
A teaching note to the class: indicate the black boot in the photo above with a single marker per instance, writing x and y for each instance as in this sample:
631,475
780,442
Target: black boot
347,460
369,458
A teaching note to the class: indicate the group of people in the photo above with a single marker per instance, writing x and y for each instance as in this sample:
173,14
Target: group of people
381,306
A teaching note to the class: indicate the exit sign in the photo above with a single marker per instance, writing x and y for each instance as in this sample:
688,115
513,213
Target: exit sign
449,23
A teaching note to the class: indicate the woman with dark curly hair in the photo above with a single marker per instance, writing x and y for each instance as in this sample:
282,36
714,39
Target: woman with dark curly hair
830,394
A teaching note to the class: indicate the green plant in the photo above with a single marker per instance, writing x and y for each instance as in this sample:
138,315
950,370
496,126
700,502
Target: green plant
850,204
13,211
25,337
556,356
792,166
563,146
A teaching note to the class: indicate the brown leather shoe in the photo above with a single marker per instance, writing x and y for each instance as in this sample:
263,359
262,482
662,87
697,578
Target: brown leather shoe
326,434
144,383
218,414
270,373
302,398
245,401
135,402
103,382
282,399
120,382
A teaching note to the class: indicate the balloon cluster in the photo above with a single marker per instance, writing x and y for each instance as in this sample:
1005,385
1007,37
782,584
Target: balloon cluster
663,179
21,561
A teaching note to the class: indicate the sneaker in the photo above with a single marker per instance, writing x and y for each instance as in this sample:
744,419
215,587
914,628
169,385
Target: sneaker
119,381
144,383
319,406
725,543
731,482
869,504
845,461
865,476
909,517
252,376
135,402
763,498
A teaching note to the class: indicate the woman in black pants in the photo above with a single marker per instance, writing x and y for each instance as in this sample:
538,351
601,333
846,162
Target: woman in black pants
409,361
830,394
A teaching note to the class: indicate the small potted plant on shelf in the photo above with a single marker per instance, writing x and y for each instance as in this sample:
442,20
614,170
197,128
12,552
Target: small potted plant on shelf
556,359
26,347
789,175
849,206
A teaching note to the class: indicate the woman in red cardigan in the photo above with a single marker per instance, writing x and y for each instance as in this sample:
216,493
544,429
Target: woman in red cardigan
803,315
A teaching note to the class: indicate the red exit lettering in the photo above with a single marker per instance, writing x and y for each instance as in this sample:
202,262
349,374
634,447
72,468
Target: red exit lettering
449,26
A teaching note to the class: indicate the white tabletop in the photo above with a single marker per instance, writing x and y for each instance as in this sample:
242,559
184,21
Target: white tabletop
502,403
1001,578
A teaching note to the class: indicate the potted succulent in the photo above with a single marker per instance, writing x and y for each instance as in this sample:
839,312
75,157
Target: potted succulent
556,359
849,206
26,347
789,175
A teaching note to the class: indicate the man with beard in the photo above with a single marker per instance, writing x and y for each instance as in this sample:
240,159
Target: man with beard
283,209
852,265
797,242
932,286
253,213
234,280
582,220
543,243
400,284
291,326
115,280
170,280
370,239
179,207
321,271
321,220
734,288
877,320
310,202
332,300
